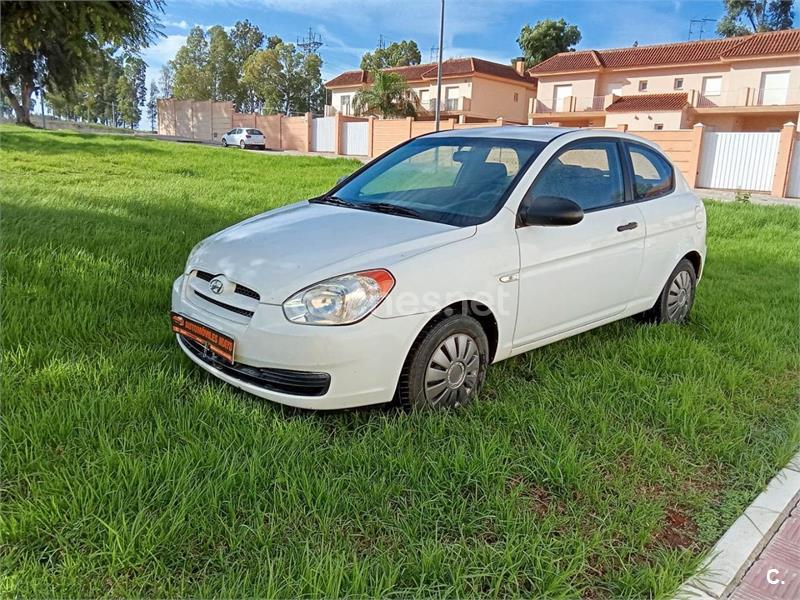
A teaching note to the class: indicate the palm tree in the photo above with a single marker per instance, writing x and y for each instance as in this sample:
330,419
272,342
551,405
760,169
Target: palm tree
388,96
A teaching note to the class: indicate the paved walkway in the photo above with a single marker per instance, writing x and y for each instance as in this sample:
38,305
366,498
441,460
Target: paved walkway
758,558
755,197
776,571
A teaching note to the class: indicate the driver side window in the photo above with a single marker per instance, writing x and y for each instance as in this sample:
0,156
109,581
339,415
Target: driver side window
588,173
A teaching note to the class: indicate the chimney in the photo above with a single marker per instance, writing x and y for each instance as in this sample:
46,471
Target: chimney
519,65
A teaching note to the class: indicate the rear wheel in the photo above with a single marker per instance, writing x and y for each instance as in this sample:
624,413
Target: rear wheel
242,145
446,366
677,297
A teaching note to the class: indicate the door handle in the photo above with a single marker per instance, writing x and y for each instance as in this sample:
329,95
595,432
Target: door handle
628,226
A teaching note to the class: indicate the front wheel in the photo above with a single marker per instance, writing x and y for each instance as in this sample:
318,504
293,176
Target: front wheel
446,367
224,143
677,297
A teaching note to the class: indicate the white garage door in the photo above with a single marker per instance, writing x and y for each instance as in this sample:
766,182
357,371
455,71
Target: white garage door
355,138
322,134
738,161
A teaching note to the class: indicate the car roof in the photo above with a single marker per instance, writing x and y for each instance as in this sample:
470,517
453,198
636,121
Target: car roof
535,133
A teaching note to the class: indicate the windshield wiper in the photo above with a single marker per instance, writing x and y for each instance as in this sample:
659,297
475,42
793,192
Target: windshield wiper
333,200
391,209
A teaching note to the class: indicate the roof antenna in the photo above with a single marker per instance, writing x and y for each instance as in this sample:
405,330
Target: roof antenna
702,23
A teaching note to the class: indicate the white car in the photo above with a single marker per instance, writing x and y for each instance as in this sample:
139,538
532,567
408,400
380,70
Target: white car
244,138
452,251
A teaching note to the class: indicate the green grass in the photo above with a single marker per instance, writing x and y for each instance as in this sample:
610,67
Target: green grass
600,466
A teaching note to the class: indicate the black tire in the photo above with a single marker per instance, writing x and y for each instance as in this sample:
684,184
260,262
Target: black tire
242,145
459,341
263,147
224,143
677,297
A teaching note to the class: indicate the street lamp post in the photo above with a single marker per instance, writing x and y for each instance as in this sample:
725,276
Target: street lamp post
439,70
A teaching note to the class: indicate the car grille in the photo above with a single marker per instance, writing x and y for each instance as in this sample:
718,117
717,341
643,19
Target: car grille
230,307
240,289
296,383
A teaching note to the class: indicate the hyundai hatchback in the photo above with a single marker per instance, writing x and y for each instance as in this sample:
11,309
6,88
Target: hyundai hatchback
453,251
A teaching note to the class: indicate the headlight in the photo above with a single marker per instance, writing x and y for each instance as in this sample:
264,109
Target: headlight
340,300
192,254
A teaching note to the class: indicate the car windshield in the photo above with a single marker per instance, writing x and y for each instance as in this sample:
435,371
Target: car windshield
454,180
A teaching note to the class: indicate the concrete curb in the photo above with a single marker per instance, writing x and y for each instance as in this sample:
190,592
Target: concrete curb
735,551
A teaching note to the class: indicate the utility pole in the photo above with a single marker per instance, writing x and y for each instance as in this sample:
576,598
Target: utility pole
439,70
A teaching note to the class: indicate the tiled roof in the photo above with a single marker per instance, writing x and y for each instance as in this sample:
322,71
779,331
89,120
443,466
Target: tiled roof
649,103
450,68
772,43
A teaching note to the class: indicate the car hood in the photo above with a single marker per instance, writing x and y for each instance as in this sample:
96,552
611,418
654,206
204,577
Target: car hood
282,251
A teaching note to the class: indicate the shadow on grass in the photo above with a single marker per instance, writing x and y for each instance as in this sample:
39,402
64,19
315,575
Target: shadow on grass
79,143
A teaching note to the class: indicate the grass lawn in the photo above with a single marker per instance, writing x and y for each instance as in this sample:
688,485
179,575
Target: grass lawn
603,465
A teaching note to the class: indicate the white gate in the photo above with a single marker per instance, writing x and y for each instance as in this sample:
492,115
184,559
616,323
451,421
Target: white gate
793,189
738,161
323,134
355,138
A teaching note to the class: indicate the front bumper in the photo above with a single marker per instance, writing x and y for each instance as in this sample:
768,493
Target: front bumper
363,360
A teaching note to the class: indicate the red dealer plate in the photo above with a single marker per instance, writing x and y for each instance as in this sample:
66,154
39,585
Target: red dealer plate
220,344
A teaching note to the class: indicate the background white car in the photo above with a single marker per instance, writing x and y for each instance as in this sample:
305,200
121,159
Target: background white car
245,138
453,251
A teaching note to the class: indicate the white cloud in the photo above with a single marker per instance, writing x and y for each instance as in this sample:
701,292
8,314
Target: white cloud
158,54
182,24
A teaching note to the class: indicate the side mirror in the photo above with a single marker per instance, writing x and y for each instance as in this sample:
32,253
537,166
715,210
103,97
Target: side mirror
550,211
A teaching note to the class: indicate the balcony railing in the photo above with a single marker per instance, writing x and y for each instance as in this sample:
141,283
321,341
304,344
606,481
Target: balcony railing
570,104
749,97
446,105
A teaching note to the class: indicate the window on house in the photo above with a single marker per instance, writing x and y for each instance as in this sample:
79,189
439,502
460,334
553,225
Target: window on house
345,105
425,99
658,126
516,96
712,86
643,85
678,83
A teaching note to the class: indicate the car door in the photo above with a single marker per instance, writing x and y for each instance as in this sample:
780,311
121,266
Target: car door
672,215
573,276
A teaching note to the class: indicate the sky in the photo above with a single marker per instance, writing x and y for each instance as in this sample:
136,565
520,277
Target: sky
483,28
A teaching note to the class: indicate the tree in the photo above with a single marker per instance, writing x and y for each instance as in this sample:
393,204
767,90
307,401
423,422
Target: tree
223,72
752,16
152,105
247,39
396,54
547,38
284,80
165,78
48,44
192,79
388,96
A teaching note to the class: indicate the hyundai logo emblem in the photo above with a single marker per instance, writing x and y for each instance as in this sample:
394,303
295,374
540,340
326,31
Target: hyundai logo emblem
216,286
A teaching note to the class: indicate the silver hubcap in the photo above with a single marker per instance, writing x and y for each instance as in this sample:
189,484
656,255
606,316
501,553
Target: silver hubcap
452,372
679,297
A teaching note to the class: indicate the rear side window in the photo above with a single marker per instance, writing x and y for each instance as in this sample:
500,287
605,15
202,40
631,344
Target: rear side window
588,173
652,174
254,132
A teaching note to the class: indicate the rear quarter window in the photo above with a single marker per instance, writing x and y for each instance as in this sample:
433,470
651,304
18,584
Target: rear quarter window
652,174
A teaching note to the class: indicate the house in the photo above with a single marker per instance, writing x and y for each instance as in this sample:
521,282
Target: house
473,90
747,83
